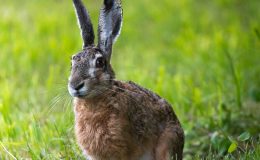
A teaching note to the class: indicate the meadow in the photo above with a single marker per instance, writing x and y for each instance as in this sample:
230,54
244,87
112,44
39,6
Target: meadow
202,56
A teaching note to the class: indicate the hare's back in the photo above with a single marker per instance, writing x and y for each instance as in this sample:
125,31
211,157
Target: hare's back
154,120
145,102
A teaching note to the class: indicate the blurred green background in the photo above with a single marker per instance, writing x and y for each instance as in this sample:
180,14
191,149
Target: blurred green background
202,56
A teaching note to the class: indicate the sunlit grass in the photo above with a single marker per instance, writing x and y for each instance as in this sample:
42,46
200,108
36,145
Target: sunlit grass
202,56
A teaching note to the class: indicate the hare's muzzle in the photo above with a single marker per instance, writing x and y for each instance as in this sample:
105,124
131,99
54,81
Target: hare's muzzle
77,89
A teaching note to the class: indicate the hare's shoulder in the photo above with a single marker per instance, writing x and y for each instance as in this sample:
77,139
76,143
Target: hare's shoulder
146,100
135,89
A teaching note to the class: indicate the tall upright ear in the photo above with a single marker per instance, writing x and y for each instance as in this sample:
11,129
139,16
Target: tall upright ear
109,26
85,24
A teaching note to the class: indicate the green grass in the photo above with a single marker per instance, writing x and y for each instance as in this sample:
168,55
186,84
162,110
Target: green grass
202,56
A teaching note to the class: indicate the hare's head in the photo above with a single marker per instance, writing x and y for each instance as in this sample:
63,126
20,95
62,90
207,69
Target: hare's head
91,71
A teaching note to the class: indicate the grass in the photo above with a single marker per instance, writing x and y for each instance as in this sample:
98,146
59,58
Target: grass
202,56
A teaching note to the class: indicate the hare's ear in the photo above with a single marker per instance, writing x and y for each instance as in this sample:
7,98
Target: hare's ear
85,24
110,22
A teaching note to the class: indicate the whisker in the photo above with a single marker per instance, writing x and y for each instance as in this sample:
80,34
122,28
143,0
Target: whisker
67,103
55,101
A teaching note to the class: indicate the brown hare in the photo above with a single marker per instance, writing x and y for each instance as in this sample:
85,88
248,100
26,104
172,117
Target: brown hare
117,120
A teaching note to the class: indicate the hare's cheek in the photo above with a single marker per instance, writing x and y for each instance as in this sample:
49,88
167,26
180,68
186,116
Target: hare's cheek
91,72
104,77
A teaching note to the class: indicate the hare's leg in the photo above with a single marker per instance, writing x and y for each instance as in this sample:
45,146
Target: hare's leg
170,144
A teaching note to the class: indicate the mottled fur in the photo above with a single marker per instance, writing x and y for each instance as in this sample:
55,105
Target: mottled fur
126,121
117,120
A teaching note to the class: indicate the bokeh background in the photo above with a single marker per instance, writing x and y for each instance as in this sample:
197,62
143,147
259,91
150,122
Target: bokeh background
202,56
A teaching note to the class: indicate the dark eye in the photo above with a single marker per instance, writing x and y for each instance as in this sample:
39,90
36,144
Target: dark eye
100,62
75,58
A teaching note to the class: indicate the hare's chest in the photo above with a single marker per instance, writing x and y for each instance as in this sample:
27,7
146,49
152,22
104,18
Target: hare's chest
102,134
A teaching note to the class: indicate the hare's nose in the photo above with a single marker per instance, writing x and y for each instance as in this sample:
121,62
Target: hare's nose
79,86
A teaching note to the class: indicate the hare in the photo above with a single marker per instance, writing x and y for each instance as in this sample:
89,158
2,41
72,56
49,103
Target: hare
117,120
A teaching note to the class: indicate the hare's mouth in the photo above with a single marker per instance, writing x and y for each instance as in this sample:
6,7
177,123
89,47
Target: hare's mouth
79,91
87,88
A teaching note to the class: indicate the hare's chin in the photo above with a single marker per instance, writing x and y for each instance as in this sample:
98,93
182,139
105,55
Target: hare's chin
78,94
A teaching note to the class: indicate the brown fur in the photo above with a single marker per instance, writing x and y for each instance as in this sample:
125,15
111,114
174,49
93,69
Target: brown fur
117,120
125,122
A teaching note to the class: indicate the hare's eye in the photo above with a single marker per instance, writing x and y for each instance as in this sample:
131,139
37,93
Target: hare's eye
75,58
100,62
